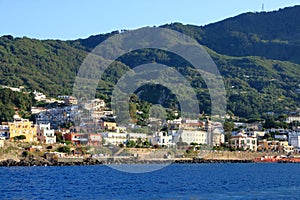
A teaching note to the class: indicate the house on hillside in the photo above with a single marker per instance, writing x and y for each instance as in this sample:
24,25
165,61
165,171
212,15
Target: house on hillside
108,125
243,141
45,134
191,135
22,127
292,118
4,130
294,140
161,139
218,136
93,139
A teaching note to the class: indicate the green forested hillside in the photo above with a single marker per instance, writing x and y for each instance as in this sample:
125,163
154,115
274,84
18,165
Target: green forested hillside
258,54
49,66
14,102
273,35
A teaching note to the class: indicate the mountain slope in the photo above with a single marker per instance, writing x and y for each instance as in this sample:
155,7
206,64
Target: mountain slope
274,35
257,54
49,66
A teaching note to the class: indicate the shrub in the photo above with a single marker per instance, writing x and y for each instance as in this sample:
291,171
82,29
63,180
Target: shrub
64,149
20,137
25,154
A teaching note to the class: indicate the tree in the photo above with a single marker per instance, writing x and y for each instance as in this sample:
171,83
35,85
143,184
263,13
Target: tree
25,154
130,144
132,111
194,144
270,122
228,126
146,143
20,137
59,137
181,143
64,149
139,142
227,137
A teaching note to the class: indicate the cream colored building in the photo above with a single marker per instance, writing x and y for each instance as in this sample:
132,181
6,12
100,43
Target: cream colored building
192,136
242,141
291,119
218,137
115,138
95,104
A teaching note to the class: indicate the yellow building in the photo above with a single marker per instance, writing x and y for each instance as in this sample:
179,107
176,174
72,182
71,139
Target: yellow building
23,127
110,126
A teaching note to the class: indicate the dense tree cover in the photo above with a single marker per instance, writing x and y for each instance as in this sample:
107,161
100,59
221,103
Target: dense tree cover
49,66
274,35
257,57
11,101
64,149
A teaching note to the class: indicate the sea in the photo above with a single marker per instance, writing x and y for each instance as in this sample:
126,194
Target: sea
175,181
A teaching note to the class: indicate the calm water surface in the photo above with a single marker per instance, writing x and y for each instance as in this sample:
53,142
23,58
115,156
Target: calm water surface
177,181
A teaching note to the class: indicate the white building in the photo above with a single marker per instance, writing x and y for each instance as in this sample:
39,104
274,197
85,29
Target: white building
191,136
115,138
242,141
39,96
294,140
4,131
258,133
280,137
175,121
218,136
292,119
135,136
45,134
161,139
95,104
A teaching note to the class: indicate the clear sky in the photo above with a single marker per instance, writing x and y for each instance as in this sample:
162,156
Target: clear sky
72,19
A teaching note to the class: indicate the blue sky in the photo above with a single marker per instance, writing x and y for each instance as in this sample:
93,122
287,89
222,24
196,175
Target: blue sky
72,19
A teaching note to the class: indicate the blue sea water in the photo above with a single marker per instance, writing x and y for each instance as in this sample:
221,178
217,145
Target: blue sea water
176,181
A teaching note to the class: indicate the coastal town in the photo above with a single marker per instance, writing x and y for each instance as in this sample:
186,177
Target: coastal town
55,134
122,100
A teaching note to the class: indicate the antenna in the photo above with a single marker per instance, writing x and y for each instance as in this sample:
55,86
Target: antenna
263,7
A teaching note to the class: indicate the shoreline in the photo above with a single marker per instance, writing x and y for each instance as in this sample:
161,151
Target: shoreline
92,161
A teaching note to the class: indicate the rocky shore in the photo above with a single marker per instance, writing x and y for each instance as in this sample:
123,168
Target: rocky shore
201,160
44,162
92,161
